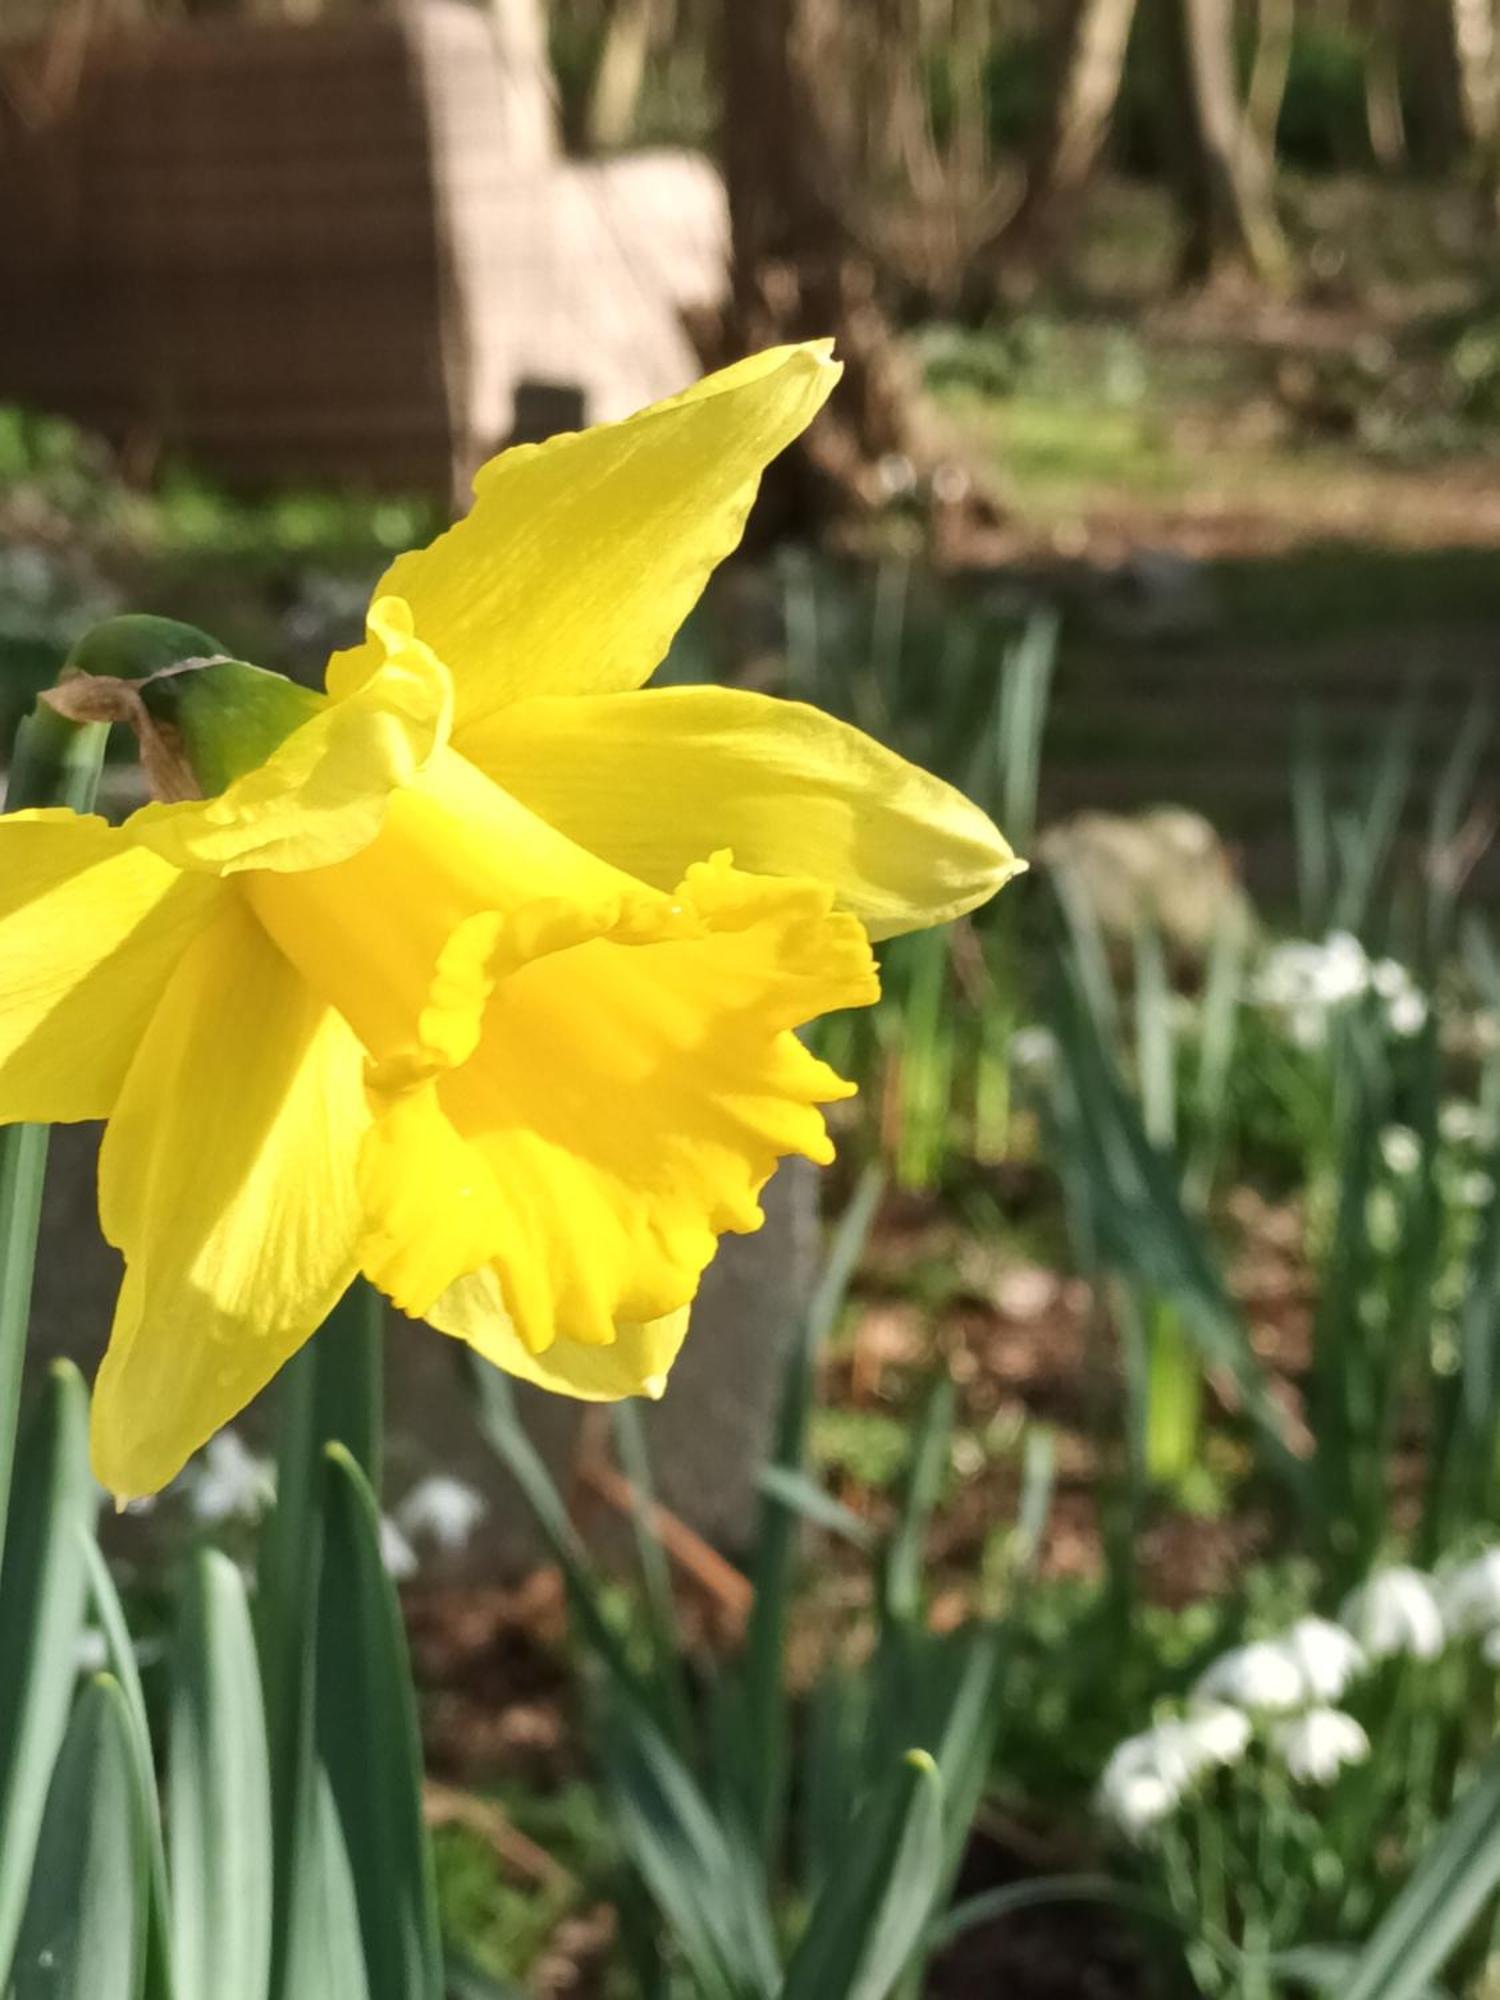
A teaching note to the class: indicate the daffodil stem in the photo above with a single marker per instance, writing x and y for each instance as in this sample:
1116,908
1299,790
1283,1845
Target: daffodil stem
53,763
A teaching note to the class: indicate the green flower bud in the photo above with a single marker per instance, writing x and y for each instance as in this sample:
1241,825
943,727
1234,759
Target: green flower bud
200,718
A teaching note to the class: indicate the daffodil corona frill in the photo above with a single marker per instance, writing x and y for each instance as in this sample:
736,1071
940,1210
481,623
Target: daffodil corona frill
480,974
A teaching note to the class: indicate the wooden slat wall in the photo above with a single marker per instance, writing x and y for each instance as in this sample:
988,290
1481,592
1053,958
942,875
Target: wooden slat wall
227,239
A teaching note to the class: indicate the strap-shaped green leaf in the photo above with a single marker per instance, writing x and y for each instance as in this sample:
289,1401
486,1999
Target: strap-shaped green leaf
1453,1881
325,1949
120,1651
367,1742
83,1936
872,1915
762,1747
218,1792
42,1586
707,1881
331,1390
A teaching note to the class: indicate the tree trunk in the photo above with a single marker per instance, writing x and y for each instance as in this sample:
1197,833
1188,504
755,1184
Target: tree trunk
1385,115
1223,176
1275,34
799,271
616,92
1090,61
1476,50
1428,63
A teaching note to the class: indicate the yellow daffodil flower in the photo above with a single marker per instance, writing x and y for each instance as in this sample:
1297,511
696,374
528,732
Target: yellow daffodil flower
481,973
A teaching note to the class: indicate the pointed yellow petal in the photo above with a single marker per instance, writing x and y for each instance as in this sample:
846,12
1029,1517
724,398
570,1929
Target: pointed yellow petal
228,1178
653,779
90,929
628,1102
635,1363
582,556
323,793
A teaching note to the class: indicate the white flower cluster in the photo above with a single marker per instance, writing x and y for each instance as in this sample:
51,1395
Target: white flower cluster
1464,1185
1284,1690
227,1482
1304,983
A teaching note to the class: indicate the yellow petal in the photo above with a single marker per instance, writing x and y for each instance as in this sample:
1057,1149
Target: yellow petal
635,1363
405,937
582,556
652,780
433,1205
629,1101
323,793
90,929
228,1178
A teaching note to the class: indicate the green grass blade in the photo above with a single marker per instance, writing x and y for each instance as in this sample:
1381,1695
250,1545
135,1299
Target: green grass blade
965,1748
871,1916
218,1791
711,1893
669,1681
815,1504
1367,841
1134,1207
83,1936
1217,1035
1310,826
1326,1969
928,1472
501,1427
1025,695
43,1582
830,1773
1155,1041
367,1740
763,1744
1450,855
1451,1885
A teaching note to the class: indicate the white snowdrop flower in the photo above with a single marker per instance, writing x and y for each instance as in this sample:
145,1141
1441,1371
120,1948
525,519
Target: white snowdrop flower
1470,1595
1343,971
1162,1749
1401,1149
1145,1778
1315,1747
1407,1013
1460,1122
396,1552
1389,978
1396,1612
1475,1190
1288,975
1262,1675
1137,1802
1307,1029
441,1510
1383,1226
90,1651
1033,1048
1327,1655
1215,1734
227,1482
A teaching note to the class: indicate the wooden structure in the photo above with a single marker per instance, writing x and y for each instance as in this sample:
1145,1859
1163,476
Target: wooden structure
330,251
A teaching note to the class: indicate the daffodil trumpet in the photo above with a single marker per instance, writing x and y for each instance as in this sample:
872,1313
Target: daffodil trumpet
480,971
